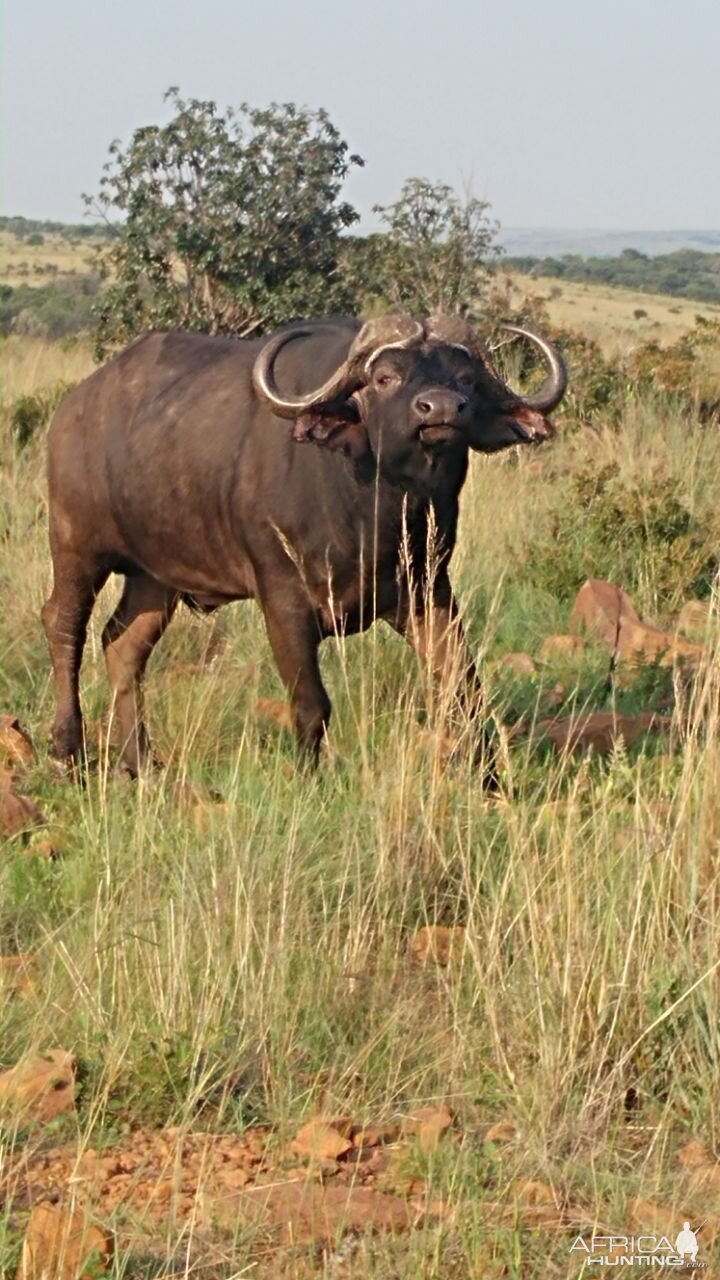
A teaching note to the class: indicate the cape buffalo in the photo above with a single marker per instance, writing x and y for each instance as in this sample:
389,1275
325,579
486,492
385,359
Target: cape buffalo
172,465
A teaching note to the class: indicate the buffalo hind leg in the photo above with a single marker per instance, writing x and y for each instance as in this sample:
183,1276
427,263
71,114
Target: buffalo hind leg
141,618
294,638
65,618
431,624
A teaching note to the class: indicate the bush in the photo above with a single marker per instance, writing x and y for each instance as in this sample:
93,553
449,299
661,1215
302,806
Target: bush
434,255
639,534
49,311
31,414
232,222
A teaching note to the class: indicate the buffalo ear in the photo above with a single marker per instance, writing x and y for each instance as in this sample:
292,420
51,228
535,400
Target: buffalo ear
516,424
337,429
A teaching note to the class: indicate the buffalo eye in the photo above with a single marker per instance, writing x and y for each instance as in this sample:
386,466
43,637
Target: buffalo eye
386,378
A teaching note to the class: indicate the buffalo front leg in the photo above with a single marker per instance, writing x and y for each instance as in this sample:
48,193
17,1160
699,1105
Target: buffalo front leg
431,623
294,637
141,618
65,618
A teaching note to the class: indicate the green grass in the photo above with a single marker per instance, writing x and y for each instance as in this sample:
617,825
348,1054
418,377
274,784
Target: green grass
240,966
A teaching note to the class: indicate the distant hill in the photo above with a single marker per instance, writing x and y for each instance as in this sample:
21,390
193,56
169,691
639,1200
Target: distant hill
541,242
684,273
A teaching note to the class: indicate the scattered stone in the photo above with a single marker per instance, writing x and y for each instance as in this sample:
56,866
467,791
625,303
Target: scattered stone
607,612
602,609
703,1166
63,1245
536,1203
324,1138
40,1087
564,647
599,730
15,743
437,942
646,1215
528,1191
17,813
502,1132
18,973
375,1135
695,1154
428,1124
274,711
302,1212
520,664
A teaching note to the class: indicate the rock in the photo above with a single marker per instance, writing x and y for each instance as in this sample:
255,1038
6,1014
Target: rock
63,1245
40,1087
274,711
15,744
605,611
520,664
374,1135
694,617
660,1219
563,647
536,1204
302,1212
528,1191
502,1132
667,1220
17,813
437,942
599,731
324,1138
704,1168
428,1124
695,1154
17,974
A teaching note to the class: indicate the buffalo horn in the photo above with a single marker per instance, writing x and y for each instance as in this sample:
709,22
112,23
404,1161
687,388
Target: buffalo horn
374,337
458,332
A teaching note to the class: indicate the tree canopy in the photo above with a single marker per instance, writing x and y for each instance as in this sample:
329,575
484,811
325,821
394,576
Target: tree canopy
231,221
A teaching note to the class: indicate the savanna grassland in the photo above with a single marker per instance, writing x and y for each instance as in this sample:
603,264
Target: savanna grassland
230,949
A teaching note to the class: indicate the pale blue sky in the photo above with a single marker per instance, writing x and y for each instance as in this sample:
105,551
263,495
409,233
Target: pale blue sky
564,113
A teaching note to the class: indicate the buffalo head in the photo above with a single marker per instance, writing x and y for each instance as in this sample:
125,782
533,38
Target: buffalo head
414,393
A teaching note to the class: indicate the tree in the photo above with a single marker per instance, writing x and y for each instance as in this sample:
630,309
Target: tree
435,253
231,221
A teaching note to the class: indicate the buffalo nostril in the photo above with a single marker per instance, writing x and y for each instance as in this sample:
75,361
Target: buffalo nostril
462,404
424,406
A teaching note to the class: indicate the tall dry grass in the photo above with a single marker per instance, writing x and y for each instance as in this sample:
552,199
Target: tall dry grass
218,964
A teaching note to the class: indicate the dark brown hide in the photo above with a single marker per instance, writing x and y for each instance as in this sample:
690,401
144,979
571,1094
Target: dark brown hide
169,467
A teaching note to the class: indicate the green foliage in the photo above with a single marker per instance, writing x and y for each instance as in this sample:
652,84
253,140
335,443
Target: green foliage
31,413
434,255
672,370
49,311
232,221
25,228
600,386
686,273
638,533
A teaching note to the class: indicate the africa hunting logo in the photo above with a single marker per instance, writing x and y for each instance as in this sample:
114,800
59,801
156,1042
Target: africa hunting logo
640,1251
